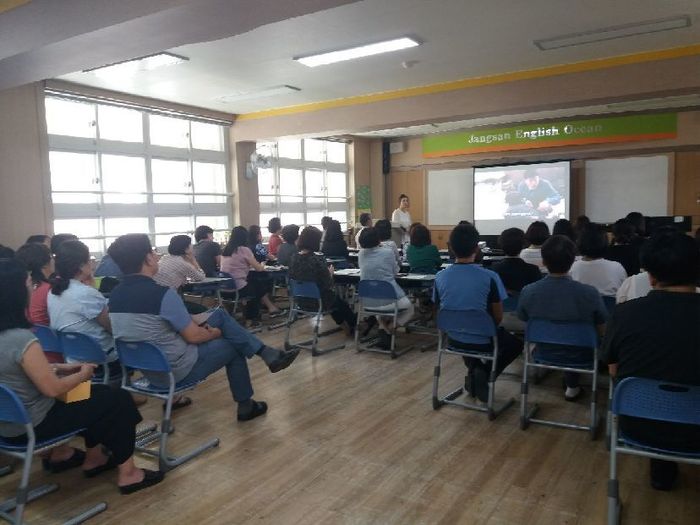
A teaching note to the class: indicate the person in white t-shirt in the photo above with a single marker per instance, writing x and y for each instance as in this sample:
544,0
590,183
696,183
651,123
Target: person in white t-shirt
403,217
537,233
634,287
605,276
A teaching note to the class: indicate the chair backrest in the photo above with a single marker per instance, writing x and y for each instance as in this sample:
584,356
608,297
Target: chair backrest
510,303
11,407
81,347
305,289
47,338
372,289
658,400
142,356
465,323
565,333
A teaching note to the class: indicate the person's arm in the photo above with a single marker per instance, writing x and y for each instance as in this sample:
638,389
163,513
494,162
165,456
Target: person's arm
194,334
103,320
496,311
173,310
252,261
41,373
194,271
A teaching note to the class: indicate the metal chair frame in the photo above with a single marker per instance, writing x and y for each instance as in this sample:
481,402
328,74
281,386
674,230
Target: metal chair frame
476,323
148,357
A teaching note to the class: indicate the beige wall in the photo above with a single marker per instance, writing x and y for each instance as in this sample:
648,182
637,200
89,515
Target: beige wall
246,206
24,192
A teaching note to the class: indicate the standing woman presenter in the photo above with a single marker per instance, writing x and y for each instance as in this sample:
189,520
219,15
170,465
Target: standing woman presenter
403,217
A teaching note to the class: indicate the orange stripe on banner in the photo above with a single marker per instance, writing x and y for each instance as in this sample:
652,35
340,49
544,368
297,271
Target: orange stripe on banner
552,143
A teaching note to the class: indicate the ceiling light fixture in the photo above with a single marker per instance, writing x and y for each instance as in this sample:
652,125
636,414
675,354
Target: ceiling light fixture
260,93
321,59
133,66
613,32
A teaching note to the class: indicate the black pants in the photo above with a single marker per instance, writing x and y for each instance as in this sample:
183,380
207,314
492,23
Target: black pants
342,313
509,347
252,292
109,418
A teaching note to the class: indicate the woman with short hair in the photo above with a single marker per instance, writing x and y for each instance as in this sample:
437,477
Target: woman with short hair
536,235
334,244
179,266
422,255
274,226
37,259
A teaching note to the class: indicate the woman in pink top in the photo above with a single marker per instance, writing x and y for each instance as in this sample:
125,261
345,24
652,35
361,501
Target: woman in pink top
237,260
274,226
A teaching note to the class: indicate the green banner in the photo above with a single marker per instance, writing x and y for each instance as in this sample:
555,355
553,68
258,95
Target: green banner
552,134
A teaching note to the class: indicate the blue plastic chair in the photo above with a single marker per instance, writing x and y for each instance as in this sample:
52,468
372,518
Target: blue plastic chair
12,411
566,334
47,338
147,357
471,326
378,292
301,292
657,401
81,348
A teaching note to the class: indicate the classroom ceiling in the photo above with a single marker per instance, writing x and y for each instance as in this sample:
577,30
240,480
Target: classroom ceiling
461,39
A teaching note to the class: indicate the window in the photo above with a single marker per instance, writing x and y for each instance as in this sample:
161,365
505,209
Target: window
308,179
119,170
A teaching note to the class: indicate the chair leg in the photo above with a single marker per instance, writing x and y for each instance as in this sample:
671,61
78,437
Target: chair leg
314,341
613,483
594,403
436,376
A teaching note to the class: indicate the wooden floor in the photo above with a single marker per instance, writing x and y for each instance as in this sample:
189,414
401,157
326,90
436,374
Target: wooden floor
352,438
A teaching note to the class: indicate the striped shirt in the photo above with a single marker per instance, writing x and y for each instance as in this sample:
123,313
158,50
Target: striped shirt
174,271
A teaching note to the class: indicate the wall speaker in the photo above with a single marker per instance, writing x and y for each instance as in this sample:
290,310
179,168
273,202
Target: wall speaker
386,158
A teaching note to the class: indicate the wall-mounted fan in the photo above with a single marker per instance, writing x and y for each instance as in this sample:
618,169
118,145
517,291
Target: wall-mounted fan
257,160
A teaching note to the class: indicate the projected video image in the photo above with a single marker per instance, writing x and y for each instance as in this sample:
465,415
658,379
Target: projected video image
514,196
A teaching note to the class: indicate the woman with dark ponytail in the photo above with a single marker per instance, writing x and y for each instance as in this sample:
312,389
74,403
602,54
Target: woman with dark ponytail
74,303
37,259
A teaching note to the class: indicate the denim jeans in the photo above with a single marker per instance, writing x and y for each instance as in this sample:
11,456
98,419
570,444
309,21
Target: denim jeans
230,351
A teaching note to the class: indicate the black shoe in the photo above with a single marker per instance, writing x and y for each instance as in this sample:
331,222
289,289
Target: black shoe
576,396
150,477
109,465
663,474
480,384
60,466
258,409
371,322
384,342
285,358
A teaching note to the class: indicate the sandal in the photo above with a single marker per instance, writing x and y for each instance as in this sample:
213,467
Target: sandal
59,466
181,402
109,465
150,477
278,313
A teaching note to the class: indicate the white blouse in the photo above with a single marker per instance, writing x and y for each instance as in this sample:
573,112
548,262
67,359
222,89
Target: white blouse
404,219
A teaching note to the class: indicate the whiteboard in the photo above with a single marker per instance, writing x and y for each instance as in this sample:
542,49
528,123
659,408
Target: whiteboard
450,196
615,187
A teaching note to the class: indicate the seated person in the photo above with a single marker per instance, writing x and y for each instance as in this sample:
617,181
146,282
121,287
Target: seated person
468,286
37,259
60,238
378,262
325,221
290,234
537,233
334,244
75,305
107,268
142,310
256,246
383,228
108,417
237,260
421,254
206,250
365,222
179,265
40,239
634,287
622,249
6,252
274,226
565,228
514,271
557,297
658,337
309,266
605,276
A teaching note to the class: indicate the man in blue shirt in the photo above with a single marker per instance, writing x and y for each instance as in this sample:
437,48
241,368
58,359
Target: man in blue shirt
538,193
468,286
142,310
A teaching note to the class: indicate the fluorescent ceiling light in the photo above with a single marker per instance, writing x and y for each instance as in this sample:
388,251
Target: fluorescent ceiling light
260,93
135,65
321,59
613,32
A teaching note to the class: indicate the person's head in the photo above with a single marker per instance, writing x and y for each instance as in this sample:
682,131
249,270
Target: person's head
274,225
512,241
623,231
638,222
558,254
532,180
203,233
420,236
365,220
60,238
404,202
672,258
369,238
290,233
36,258
581,222
537,233
325,221
72,261
412,226
6,252
133,254
40,239
463,222
564,227
180,245
383,227
464,241
14,294
239,237
309,239
254,235
592,242
333,232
